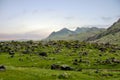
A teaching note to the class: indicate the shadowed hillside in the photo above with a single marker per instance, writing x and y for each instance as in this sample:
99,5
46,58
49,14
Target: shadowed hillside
111,35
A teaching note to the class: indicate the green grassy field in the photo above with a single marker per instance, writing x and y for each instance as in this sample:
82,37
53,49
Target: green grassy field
89,61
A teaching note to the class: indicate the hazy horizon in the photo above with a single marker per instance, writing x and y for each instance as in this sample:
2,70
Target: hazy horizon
36,19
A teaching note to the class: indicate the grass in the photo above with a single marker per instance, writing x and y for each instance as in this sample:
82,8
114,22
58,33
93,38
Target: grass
33,73
31,66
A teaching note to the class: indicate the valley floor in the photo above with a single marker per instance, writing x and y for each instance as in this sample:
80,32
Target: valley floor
72,61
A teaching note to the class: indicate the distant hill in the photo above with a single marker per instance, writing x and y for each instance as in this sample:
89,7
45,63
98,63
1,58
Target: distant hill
80,30
61,33
111,35
79,34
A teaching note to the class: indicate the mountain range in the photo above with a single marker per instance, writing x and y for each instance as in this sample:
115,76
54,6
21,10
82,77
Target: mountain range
93,34
78,34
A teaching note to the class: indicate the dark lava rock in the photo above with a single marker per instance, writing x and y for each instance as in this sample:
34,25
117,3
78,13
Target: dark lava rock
2,68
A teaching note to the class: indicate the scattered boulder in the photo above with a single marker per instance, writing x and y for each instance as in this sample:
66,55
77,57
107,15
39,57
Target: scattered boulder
66,67
57,51
112,51
85,53
43,54
25,52
79,69
97,71
115,60
111,60
100,55
108,74
61,67
75,62
20,59
2,68
80,60
102,49
55,66
11,53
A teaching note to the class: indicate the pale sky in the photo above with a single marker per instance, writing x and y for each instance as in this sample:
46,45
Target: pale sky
36,19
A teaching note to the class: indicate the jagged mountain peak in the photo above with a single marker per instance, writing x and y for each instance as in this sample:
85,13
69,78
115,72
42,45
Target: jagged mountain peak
66,34
82,29
64,30
85,29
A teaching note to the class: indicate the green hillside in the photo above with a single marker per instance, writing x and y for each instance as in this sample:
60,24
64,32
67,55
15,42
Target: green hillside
111,38
111,35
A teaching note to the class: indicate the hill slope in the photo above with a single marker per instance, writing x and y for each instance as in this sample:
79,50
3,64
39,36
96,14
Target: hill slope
79,34
111,35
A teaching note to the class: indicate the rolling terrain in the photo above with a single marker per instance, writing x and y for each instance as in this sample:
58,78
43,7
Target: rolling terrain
61,60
